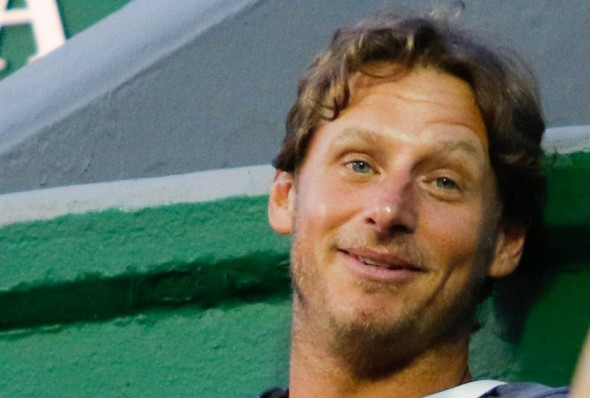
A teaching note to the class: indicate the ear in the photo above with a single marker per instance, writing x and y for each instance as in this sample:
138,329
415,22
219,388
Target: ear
508,250
280,203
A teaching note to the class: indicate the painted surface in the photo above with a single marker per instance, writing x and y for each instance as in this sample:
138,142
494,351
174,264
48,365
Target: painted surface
32,28
129,195
221,352
100,265
193,300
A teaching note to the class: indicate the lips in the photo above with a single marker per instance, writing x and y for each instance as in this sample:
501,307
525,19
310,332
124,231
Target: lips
372,262
383,260
385,267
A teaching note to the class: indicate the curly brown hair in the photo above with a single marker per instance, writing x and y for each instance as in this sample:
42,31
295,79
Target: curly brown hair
505,91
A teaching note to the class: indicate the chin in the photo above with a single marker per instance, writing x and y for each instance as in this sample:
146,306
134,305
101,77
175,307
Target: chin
366,314
368,304
372,345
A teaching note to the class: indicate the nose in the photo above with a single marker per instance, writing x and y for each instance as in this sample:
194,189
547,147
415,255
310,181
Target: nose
393,208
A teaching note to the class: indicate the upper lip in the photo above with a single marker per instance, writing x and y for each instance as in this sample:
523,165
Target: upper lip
382,259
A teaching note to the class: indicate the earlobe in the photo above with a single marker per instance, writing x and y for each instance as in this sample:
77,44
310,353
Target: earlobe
508,249
280,203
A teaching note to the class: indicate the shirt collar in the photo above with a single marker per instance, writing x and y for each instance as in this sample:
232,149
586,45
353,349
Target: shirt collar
474,389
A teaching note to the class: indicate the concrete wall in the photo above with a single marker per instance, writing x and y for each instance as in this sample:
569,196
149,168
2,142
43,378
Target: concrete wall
163,88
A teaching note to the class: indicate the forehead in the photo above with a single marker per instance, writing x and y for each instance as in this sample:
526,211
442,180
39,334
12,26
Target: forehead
414,101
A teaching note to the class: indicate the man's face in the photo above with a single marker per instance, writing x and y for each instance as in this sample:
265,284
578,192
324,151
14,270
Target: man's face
394,212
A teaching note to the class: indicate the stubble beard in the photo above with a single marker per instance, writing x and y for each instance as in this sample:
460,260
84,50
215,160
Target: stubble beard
370,349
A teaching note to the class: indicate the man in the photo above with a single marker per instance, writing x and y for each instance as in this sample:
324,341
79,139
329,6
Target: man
408,178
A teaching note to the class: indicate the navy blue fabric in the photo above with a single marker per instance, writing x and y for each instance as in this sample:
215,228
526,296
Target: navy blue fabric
526,390
275,393
510,390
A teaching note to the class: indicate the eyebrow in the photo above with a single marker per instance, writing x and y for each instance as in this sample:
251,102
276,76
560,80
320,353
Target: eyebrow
353,133
375,137
460,146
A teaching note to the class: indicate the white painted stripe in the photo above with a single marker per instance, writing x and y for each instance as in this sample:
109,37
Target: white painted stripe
135,194
197,187
568,139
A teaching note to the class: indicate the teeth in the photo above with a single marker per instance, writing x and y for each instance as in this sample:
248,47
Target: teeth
371,262
374,263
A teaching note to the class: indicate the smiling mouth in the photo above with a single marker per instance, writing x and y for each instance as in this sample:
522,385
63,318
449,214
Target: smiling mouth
387,262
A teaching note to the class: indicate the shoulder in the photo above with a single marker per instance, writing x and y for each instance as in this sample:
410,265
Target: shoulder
527,390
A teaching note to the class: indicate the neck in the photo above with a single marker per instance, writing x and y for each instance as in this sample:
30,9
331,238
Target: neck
317,372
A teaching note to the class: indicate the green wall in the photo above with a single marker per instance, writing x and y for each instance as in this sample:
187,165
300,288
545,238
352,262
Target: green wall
193,300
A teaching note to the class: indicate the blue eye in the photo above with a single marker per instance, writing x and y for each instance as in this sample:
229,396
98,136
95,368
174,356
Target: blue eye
446,183
359,166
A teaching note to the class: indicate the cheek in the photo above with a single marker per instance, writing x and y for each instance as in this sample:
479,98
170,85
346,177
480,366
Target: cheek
321,204
456,235
311,211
